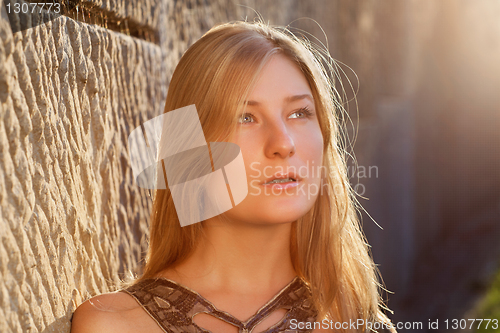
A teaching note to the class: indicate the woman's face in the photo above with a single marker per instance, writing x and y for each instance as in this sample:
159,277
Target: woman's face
282,146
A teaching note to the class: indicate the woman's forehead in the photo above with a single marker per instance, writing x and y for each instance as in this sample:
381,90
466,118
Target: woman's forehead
280,78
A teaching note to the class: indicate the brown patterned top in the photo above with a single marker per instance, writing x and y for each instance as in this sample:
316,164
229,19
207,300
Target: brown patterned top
173,306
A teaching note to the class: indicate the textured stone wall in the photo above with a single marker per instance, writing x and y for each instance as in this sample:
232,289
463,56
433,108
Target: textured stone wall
72,221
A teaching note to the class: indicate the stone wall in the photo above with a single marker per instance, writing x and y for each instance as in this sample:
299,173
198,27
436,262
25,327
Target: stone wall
72,221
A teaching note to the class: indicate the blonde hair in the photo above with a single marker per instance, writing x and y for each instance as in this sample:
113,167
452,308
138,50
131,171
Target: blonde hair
328,248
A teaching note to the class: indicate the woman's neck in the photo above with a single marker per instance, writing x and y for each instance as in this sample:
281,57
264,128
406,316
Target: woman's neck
238,257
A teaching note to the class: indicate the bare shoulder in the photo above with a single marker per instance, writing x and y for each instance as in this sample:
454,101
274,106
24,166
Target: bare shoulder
110,313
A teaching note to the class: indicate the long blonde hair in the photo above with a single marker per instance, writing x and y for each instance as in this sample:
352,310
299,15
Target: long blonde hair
328,248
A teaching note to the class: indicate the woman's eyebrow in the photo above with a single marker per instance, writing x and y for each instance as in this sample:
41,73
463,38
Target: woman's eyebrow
288,99
299,97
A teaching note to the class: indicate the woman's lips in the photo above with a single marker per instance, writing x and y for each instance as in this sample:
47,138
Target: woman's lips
282,185
280,177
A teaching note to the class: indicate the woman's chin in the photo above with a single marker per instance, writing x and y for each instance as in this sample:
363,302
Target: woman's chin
269,212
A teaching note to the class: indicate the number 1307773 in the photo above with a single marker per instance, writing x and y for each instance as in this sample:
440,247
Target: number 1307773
472,323
33,7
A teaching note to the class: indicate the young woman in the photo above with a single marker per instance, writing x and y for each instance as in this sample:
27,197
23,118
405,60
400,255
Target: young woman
291,257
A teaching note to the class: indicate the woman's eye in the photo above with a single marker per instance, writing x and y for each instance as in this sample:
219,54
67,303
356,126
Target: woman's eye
246,118
302,113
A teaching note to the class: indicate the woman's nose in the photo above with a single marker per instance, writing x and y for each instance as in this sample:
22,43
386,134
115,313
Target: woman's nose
279,142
